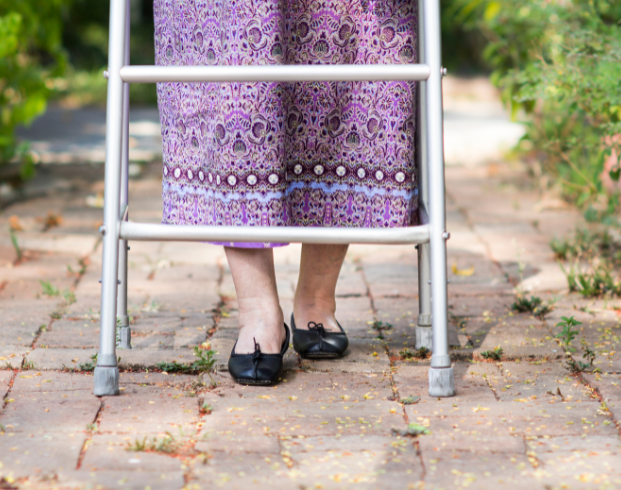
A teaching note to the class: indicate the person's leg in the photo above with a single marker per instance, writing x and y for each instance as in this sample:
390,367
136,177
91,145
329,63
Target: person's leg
260,315
314,299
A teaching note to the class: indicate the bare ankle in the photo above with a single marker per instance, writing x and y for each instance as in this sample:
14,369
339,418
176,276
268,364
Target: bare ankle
315,310
262,325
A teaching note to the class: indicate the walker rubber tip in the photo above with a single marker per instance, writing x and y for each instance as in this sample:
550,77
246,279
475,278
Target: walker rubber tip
441,382
106,381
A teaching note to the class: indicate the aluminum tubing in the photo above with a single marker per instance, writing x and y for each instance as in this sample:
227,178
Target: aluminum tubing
423,337
274,73
121,306
437,213
114,138
274,234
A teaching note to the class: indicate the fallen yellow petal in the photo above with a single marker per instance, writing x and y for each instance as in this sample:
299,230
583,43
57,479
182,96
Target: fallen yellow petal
462,272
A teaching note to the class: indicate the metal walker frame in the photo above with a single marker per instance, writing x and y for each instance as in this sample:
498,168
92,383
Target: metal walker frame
430,236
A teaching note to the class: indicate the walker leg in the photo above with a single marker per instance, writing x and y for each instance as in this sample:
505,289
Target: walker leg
107,370
441,379
125,332
423,325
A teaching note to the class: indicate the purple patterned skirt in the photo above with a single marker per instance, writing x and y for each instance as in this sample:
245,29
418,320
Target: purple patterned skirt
298,154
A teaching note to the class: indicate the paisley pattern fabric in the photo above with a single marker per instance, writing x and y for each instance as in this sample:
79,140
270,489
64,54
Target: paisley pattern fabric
299,154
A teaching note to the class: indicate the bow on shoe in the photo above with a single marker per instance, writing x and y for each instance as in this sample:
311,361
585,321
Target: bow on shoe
256,357
321,331
317,327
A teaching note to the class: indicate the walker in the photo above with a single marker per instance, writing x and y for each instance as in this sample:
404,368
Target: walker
430,236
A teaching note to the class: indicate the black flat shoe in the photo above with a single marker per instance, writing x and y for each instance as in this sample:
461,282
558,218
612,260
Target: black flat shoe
317,343
258,368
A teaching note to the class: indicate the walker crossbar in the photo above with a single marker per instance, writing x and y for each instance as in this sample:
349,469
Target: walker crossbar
273,73
431,235
274,234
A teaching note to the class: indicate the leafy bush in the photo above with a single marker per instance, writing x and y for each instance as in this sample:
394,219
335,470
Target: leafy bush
560,62
31,54
86,41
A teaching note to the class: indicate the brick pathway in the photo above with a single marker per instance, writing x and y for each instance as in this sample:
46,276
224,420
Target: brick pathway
521,422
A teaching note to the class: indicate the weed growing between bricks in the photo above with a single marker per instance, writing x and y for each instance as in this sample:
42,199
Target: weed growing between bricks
534,305
409,354
493,355
591,262
381,327
203,364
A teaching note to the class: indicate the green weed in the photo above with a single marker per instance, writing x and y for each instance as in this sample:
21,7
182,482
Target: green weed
204,364
594,282
89,366
525,305
412,430
28,365
83,263
91,427
69,297
596,258
533,305
205,408
381,327
494,355
168,444
421,353
578,366
49,289
174,367
567,335
15,243
585,243
205,361
137,445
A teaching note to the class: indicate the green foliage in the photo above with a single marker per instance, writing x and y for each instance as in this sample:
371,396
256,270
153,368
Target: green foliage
410,400
174,367
588,244
49,289
533,305
567,335
69,297
560,62
168,444
593,282
31,55
462,48
494,355
578,366
204,364
15,243
524,305
89,366
381,327
412,430
205,408
205,361
596,259
421,353
87,44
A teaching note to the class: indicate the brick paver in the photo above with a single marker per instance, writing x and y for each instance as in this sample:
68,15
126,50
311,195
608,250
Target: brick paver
523,421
